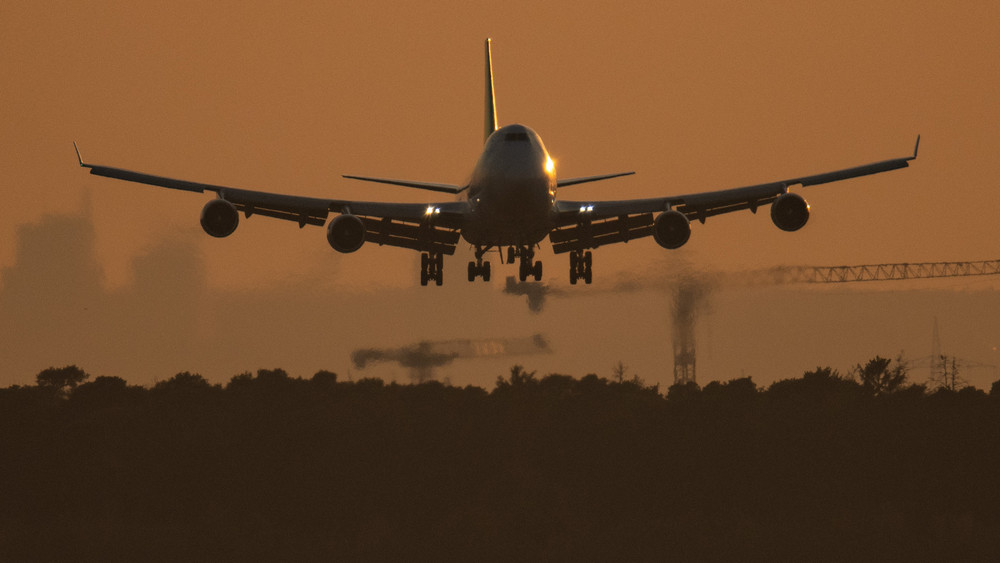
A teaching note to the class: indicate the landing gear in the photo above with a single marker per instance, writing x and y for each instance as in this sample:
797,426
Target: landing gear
581,266
431,268
528,265
479,268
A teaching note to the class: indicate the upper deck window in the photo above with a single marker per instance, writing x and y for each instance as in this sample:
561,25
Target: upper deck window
518,136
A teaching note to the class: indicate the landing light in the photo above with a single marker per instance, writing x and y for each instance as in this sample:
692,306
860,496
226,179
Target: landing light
431,210
586,208
550,166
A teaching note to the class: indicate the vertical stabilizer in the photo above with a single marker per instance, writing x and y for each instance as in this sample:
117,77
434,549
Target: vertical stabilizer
491,108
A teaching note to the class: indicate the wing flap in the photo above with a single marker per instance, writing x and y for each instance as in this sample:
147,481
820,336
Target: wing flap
425,238
593,234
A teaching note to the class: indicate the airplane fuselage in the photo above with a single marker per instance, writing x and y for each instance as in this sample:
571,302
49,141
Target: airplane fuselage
512,191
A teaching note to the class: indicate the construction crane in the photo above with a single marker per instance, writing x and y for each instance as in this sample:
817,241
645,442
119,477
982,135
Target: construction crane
686,293
882,272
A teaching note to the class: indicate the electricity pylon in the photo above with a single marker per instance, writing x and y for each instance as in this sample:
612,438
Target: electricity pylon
684,348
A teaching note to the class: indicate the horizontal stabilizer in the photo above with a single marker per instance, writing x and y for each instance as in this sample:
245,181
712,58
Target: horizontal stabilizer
574,181
446,188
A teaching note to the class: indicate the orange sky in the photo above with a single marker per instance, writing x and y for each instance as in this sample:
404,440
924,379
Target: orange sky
692,97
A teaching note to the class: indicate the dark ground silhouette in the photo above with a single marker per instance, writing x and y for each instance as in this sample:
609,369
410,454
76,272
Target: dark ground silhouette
270,467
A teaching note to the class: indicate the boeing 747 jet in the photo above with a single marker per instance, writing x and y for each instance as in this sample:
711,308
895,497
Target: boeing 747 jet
509,204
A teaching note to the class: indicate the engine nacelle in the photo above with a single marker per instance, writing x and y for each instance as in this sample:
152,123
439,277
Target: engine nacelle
671,229
345,233
790,212
219,218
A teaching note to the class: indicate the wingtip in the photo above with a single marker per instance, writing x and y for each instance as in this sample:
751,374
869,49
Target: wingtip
916,147
78,157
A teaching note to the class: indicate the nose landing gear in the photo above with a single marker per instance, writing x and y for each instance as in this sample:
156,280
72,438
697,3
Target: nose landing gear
528,265
479,268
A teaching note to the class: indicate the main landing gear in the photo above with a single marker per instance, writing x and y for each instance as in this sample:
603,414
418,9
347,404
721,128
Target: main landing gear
431,268
479,268
581,266
528,265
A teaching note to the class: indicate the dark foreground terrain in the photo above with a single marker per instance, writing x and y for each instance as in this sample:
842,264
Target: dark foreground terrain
541,468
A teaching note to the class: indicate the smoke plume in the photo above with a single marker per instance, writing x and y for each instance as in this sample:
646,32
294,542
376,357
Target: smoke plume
421,358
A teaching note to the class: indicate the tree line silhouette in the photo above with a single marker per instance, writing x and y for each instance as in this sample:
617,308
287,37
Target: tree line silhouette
272,467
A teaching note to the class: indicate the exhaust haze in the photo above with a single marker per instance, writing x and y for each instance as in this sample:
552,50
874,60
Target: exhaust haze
56,308
423,357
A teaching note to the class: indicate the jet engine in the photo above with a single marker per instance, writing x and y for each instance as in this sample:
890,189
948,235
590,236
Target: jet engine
671,229
219,218
345,233
790,212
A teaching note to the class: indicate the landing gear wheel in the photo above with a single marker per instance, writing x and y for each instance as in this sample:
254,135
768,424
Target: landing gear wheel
478,267
528,265
476,270
431,268
581,266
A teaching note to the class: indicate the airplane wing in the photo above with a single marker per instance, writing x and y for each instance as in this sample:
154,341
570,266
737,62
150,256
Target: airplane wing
418,226
589,224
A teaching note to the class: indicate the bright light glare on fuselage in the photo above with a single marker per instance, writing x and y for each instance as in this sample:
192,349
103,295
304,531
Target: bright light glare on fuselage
550,166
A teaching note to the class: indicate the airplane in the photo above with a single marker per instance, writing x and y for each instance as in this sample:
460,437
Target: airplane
509,202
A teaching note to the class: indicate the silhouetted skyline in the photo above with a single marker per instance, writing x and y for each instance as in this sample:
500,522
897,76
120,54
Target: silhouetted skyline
542,466
56,308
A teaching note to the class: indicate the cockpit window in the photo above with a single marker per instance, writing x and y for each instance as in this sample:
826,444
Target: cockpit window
519,136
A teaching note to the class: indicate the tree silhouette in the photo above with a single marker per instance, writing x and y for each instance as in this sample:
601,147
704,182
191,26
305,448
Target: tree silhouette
877,378
183,380
277,467
61,380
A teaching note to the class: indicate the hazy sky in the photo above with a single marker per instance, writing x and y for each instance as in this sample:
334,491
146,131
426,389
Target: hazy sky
689,95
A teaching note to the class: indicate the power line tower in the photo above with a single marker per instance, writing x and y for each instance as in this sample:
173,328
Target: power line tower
689,299
690,292
937,360
685,359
